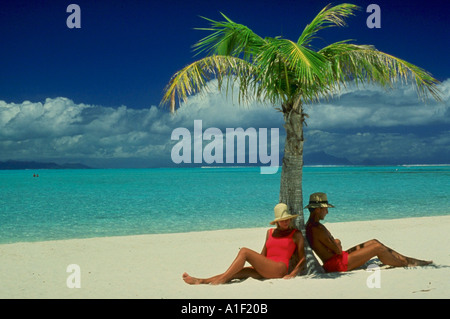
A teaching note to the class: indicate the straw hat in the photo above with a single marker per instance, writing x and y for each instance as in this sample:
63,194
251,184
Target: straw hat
281,213
318,200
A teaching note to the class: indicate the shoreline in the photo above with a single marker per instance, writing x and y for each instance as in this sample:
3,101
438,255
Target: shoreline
150,266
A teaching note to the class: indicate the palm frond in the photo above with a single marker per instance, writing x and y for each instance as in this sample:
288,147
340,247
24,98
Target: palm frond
305,63
289,70
327,17
229,38
194,78
365,64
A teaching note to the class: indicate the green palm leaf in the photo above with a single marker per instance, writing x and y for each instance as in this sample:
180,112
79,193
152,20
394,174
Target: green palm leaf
229,38
193,78
328,17
365,64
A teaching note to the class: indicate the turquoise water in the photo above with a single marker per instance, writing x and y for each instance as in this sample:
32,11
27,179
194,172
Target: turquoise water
62,204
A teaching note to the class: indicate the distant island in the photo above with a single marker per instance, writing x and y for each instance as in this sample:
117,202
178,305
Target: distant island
322,158
310,159
10,165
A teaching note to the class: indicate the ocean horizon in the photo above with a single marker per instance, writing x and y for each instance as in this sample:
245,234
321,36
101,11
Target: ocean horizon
85,203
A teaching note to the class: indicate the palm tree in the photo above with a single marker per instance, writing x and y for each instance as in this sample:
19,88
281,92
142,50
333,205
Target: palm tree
291,74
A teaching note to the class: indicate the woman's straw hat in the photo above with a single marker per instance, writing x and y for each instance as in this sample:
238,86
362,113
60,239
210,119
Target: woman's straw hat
318,200
281,213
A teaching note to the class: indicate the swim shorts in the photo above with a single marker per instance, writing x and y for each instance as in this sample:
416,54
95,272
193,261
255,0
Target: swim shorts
337,263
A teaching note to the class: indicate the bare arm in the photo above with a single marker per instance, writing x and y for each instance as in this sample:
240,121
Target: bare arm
327,240
322,242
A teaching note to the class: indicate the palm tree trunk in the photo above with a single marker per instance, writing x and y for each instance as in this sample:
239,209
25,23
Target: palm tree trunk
291,180
292,164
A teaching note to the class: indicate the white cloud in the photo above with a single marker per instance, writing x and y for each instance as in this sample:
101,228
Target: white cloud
374,107
60,129
31,120
221,111
381,148
361,124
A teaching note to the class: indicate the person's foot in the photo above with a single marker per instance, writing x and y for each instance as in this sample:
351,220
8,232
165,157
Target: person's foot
190,280
412,262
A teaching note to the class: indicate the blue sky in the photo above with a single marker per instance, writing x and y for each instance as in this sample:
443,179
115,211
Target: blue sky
91,94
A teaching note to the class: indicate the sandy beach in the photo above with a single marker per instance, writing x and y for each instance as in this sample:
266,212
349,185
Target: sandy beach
151,266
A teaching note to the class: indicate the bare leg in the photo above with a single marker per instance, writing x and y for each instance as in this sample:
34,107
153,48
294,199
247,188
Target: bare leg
247,272
360,254
263,268
196,281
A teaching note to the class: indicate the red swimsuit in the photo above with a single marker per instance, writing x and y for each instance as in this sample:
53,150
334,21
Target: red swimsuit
280,248
337,263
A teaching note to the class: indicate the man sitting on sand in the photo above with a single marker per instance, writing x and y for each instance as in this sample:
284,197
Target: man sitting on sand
330,250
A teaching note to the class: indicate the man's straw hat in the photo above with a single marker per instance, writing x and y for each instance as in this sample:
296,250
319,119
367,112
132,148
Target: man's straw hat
318,200
281,213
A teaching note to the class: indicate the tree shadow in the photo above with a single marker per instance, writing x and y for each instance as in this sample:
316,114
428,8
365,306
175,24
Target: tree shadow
369,264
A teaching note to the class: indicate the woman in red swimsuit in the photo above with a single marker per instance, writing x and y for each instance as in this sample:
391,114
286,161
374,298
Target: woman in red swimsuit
273,261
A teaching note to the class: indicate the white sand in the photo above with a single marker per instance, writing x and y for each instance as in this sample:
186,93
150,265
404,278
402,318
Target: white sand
150,266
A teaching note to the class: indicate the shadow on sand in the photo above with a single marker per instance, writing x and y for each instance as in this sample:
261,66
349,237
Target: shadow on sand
370,264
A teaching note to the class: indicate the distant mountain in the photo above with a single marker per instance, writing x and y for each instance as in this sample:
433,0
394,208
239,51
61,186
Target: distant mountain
39,165
322,158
